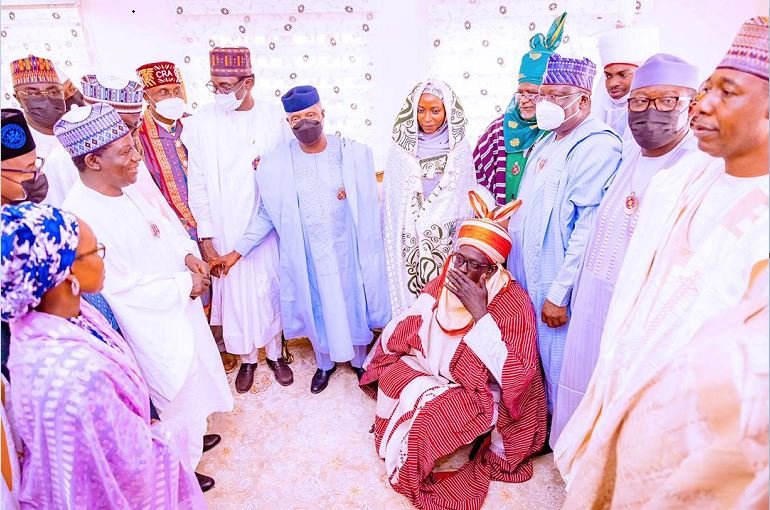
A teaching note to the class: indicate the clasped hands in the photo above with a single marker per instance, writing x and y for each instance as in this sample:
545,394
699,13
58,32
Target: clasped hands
220,264
199,270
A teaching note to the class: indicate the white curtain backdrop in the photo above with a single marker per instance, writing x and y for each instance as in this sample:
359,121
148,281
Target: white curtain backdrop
364,56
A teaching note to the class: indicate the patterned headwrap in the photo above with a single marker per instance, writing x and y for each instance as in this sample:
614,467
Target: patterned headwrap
87,128
542,47
577,72
749,51
228,62
485,232
123,95
38,250
33,69
406,129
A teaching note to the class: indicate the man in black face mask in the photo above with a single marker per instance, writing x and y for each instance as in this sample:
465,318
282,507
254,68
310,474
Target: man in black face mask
319,194
22,179
660,96
39,91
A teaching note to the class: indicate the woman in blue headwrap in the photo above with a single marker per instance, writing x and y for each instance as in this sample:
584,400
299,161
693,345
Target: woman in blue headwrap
81,405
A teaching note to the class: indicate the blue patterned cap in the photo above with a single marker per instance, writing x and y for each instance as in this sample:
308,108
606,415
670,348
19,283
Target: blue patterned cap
38,250
87,128
577,72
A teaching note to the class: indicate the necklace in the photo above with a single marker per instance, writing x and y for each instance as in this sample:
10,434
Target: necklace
153,226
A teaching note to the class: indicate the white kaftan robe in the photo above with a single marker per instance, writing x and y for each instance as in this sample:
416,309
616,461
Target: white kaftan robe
148,286
697,239
222,149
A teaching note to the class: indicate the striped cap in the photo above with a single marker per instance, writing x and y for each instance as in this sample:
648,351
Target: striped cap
749,51
485,232
577,72
33,69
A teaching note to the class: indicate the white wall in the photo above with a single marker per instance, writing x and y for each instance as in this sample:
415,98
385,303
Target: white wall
700,31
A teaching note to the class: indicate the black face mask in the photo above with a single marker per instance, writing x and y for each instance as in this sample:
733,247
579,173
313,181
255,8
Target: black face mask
308,131
44,111
653,129
76,98
35,190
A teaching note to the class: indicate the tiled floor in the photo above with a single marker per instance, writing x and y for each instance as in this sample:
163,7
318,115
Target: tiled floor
285,448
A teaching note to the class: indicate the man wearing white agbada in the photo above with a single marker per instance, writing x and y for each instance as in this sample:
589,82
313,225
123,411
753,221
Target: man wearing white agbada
225,141
153,276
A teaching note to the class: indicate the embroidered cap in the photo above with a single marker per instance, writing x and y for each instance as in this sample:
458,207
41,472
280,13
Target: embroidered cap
15,134
87,128
577,72
159,73
125,96
33,69
749,51
226,62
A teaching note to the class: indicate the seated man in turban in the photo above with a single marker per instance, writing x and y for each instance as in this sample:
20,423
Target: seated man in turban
460,362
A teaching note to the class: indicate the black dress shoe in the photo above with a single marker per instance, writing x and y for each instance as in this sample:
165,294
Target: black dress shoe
210,441
245,377
206,482
359,372
321,379
283,374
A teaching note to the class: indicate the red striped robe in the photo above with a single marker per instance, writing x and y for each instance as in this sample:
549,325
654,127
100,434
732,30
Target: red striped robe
457,412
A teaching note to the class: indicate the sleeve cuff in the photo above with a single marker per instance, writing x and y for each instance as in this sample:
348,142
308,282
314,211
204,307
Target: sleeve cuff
559,294
243,247
205,229
184,281
486,341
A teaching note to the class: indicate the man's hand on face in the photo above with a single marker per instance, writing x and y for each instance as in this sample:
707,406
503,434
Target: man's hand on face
224,263
554,316
196,265
472,295
201,284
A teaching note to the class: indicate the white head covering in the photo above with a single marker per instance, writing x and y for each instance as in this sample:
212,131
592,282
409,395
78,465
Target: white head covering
628,45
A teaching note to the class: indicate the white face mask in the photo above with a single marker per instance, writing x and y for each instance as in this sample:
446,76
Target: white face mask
550,115
228,102
171,108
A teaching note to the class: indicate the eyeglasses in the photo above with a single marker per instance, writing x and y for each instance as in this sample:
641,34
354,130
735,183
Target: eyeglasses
554,98
662,104
52,92
100,250
528,96
39,162
460,261
223,88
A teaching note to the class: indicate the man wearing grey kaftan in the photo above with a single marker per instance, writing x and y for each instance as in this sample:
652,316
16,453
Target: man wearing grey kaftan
319,193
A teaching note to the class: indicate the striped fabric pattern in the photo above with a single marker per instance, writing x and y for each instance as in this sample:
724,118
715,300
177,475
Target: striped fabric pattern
489,160
448,416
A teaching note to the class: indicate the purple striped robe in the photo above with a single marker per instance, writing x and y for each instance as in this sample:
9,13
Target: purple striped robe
489,160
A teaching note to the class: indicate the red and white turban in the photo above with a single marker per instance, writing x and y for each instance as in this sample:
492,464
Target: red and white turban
485,232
